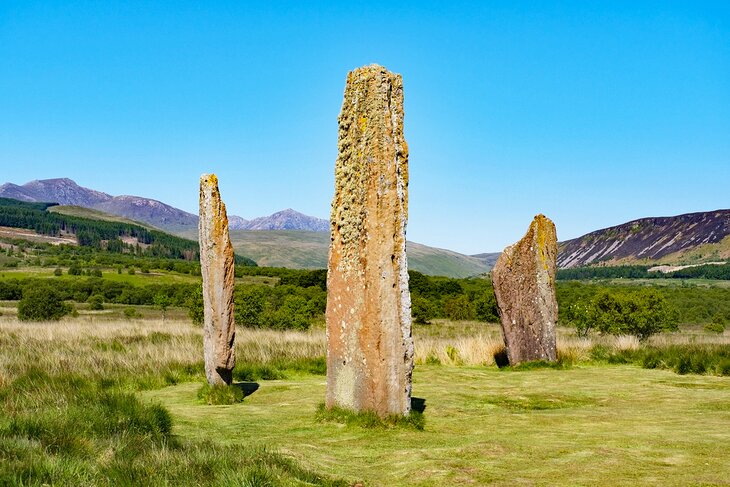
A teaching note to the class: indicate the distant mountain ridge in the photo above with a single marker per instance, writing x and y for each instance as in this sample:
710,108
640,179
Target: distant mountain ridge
66,192
689,237
287,238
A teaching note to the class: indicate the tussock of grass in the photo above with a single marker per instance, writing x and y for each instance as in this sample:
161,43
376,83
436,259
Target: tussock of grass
219,395
368,419
710,359
64,429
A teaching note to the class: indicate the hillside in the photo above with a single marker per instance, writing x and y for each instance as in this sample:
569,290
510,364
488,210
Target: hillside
488,258
105,234
92,214
688,238
308,250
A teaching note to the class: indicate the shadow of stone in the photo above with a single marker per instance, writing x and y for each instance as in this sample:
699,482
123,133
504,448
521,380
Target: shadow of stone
418,404
500,358
248,388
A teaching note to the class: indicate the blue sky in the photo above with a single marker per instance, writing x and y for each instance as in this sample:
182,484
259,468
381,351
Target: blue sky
593,113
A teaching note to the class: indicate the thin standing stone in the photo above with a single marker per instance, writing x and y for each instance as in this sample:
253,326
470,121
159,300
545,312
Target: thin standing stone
217,268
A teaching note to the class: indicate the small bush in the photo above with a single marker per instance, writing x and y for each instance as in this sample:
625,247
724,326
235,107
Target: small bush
370,420
96,302
58,272
132,313
422,310
715,327
219,395
41,303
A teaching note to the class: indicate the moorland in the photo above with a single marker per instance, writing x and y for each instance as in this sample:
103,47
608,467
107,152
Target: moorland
102,383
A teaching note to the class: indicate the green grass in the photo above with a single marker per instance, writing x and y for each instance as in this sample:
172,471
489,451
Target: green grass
710,359
66,430
368,419
538,427
218,395
139,278
87,402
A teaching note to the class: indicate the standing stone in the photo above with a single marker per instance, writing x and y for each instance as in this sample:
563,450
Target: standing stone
524,285
369,344
216,266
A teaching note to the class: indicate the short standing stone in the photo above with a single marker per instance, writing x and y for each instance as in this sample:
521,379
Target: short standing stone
216,266
524,285
369,344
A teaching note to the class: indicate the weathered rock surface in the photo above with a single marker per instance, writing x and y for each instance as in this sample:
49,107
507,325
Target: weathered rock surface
369,343
524,285
216,266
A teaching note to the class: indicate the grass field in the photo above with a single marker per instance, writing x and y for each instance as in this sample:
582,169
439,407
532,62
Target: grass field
138,278
583,426
587,424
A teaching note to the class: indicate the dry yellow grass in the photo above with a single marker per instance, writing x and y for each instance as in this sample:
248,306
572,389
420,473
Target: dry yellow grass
154,347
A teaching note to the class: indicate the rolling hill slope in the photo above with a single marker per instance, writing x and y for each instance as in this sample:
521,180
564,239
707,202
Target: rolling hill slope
688,238
308,250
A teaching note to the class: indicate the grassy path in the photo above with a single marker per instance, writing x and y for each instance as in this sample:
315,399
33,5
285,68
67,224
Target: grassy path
617,425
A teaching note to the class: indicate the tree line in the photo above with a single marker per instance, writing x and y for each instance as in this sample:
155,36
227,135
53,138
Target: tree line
99,234
706,271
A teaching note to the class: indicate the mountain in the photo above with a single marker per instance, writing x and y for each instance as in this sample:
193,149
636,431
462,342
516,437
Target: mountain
148,211
236,222
688,238
62,190
287,220
65,191
286,238
488,258
308,250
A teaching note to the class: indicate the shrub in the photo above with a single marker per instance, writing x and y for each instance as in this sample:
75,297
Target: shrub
250,302
96,302
422,310
41,303
132,313
459,308
194,303
58,272
640,313
486,308
715,327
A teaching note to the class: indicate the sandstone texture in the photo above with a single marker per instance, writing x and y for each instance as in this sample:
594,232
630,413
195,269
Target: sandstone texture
216,266
369,343
524,285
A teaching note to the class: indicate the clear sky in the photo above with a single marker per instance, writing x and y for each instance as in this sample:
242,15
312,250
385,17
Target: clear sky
594,113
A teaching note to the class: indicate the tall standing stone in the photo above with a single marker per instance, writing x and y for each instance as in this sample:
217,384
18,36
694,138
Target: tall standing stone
216,266
369,344
524,285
